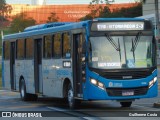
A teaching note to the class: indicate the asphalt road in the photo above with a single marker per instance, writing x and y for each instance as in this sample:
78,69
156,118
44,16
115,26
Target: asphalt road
90,110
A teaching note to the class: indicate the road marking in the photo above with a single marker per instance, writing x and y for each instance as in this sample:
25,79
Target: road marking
74,113
57,109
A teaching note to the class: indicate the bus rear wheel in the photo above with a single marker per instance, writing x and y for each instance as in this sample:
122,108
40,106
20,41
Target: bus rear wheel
72,102
23,94
126,104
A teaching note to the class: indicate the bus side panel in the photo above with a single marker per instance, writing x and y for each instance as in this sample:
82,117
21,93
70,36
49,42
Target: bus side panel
61,74
29,76
6,71
53,76
19,71
48,70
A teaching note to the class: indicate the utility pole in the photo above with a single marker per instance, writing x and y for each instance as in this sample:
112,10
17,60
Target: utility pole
157,104
157,19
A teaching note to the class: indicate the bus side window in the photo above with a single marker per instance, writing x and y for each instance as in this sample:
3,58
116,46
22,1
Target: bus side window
66,45
6,50
20,49
47,47
57,46
29,48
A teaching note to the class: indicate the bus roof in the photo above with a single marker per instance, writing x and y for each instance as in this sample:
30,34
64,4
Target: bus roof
49,30
44,26
60,26
119,19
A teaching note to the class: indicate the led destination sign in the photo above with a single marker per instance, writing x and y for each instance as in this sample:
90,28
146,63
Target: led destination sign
117,26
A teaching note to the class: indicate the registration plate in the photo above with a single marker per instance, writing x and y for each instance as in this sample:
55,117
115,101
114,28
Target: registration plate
127,93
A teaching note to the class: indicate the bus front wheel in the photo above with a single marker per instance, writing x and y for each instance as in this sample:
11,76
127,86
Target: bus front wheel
126,104
72,102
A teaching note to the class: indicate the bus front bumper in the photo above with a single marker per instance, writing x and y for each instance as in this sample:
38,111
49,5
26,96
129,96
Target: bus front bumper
96,93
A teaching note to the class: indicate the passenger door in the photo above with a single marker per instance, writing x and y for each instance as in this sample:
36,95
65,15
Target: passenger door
77,63
38,65
12,66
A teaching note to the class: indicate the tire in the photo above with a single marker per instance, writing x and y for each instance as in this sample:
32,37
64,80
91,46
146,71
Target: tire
23,94
32,97
72,102
126,104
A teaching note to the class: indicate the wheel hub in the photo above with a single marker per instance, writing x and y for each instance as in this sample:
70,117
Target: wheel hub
22,91
70,97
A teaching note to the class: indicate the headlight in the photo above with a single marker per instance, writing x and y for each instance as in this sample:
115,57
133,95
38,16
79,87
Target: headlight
93,81
155,79
151,83
97,83
100,85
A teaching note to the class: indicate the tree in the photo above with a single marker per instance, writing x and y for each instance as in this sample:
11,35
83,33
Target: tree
52,18
96,8
105,12
20,22
134,11
5,9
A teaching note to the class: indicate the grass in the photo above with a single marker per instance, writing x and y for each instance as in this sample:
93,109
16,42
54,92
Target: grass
0,75
0,83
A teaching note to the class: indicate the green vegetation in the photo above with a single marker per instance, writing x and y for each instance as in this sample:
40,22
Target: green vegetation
52,18
20,22
5,9
0,75
105,12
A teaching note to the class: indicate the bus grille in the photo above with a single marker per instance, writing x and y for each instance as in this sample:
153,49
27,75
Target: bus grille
121,74
118,91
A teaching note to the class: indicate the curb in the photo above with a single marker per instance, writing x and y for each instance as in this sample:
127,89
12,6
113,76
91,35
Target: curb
156,105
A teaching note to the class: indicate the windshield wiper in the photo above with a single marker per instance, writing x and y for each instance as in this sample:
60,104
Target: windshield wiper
133,50
136,41
113,43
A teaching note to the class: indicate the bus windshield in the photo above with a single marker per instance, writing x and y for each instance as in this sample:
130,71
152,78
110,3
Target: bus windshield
121,51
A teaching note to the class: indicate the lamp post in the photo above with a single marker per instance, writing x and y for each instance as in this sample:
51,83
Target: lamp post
157,104
157,19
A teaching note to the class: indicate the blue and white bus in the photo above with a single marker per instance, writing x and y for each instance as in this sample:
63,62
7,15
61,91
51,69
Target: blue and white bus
100,59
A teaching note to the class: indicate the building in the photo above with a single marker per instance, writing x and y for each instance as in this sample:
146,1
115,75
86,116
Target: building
149,10
65,2
149,13
149,7
65,13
